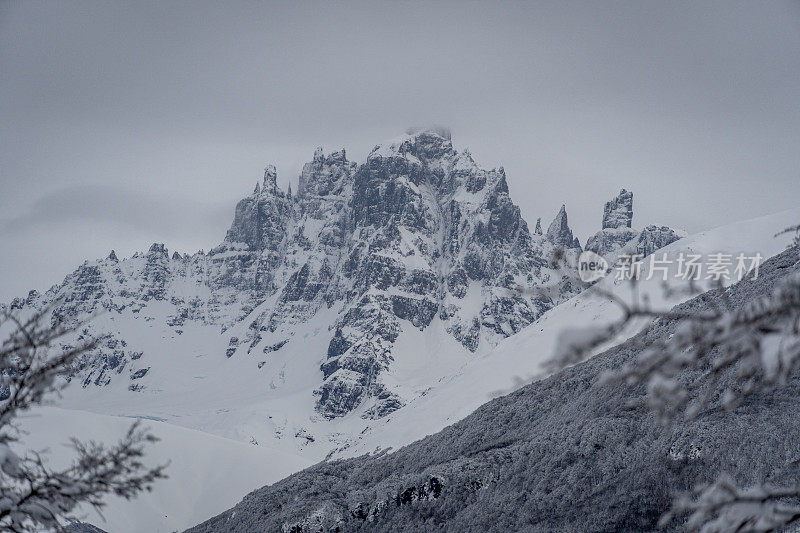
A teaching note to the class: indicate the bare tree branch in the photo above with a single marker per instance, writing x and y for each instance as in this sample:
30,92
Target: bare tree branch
759,343
32,496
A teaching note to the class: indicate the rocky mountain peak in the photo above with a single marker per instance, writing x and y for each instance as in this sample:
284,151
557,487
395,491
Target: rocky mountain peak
439,131
432,144
617,238
418,146
325,175
361,260
618,213
654,237
270,179
559,232
158,249
260,219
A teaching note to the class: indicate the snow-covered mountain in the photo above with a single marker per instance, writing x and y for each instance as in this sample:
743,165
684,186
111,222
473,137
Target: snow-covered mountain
220,397
322,313
417,238
309,332
522,358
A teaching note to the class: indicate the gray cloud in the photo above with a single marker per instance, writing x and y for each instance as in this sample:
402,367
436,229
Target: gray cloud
693,105
111,205
62,228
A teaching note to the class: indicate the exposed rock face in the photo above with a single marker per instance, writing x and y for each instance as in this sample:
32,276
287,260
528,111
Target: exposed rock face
654,237
417,234
609,242
618,213
427,228
617,238
559,233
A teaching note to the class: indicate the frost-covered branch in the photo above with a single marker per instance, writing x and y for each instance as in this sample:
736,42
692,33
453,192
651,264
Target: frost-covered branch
33,496
723,506
761,339
28,370
796,231
758,344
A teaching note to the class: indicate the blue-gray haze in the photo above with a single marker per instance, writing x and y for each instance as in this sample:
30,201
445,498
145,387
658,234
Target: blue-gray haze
122,124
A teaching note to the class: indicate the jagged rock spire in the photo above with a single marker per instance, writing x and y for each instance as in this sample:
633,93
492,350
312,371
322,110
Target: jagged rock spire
617,237
308,168
538,230
289,192
113,256
559,233
158,248
257,190
618,213
270,178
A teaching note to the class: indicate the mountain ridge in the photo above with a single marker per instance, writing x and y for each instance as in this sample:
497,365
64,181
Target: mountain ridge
417,232
323,312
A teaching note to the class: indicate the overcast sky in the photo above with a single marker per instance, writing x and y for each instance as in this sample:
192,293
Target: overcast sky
125,124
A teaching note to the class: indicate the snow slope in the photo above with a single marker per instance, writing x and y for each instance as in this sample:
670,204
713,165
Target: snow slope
230,399
207,474
520,359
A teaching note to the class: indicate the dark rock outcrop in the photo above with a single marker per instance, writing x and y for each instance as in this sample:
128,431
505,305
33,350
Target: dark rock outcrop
654,237
618,213
617,238
609,242
559,233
